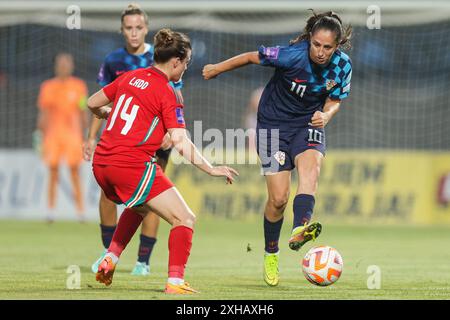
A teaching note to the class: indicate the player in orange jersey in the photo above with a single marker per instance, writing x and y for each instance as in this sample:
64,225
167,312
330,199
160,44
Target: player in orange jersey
62,119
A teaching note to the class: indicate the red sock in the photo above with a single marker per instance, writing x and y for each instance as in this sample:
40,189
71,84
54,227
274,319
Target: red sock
180,243
128,223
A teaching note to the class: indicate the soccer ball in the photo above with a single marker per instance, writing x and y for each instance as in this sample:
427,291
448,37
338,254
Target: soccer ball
322,265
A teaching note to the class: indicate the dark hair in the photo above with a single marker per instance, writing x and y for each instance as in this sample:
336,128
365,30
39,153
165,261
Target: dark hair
132,9
170,44
329,21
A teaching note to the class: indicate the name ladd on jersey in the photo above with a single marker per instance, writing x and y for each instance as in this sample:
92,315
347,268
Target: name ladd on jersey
138,83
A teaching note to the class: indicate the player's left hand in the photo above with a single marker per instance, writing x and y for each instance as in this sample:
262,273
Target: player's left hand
224,171
319,119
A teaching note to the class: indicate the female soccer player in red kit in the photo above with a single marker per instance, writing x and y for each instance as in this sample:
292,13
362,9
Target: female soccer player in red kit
145,109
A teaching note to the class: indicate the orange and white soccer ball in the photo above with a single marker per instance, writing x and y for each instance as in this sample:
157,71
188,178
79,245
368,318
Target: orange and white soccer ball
322,265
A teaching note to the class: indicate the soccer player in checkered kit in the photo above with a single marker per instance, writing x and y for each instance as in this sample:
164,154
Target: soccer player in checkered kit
312,76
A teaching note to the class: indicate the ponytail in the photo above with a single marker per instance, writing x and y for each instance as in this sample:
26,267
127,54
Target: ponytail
329,21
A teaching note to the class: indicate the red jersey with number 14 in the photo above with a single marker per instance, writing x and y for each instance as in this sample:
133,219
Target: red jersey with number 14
145,106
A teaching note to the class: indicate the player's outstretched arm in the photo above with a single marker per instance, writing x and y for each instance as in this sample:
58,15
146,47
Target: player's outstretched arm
187,149
213,70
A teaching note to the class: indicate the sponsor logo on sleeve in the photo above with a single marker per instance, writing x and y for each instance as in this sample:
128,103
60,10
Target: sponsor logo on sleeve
271,52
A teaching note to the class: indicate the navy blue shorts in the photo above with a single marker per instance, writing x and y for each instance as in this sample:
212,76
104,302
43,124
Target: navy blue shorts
278,145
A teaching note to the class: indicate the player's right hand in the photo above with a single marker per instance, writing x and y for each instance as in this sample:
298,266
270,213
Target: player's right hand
209,71
224,171
88,149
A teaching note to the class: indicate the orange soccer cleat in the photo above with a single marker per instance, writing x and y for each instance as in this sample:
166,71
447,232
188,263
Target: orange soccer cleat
303,234
105,271
179,289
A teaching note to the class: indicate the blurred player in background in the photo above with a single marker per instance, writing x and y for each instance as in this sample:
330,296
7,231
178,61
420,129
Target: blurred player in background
62,120
146,108
312,76
136,54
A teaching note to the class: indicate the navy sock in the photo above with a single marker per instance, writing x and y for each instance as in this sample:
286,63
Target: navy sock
272,235
145,248
107,234
303,209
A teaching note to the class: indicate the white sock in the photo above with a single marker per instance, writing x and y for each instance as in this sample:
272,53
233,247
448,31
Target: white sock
268,253
175,281
113,257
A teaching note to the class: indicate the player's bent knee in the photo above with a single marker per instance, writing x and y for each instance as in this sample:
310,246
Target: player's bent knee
279,202
189,220
189,223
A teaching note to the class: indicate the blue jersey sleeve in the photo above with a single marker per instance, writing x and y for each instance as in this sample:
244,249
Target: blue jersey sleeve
343,90
278,57
104,76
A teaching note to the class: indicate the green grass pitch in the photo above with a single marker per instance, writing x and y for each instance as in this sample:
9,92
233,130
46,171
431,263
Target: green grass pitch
414,262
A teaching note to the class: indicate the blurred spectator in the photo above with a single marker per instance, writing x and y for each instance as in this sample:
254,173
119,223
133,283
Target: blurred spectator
61,121
250,117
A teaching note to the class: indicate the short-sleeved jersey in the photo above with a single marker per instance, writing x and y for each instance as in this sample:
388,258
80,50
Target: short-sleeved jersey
145,106
121,61
63,101
300,87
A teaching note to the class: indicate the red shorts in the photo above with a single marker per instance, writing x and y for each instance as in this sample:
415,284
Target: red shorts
131,186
